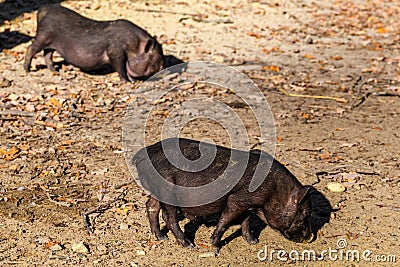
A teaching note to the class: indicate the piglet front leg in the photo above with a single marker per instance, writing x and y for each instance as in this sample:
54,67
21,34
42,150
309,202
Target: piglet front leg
170,214
246,232
232,211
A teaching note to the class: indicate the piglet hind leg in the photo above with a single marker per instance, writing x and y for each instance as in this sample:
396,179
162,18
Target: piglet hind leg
246,232
170,214
232,211
32,50
48,58
153,208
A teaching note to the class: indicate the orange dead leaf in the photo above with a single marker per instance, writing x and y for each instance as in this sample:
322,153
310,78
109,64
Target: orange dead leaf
367,70
324,156
309,56
122,211
279,139
55,102
67,142
271,68
151,243
273,49
202,245
161,112
329,157
381,30
336,57
276,49
256,35
376,128
11,153
306,115
169,42
10,52
49,244
265,50
24,147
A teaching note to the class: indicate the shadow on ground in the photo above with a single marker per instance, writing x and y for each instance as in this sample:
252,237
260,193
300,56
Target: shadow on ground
11,9
321,214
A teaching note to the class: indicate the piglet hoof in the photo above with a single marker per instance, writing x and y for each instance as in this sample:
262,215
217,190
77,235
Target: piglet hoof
27,68
162,237
215,249
251,240
186,243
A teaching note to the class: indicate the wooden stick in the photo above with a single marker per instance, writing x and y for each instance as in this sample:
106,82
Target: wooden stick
337,99
17,113
165,12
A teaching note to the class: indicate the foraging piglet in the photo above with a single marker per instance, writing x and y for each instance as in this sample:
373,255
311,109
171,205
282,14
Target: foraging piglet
280,200
94,45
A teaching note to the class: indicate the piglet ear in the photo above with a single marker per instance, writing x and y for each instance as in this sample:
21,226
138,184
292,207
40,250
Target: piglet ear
146,46
296,197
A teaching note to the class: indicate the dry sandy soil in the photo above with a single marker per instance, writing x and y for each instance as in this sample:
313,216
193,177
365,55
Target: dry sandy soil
329,70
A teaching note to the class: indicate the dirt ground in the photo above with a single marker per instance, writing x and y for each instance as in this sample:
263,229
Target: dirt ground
329,69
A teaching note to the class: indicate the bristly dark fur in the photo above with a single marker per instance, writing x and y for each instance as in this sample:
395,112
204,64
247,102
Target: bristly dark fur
280,201
95,45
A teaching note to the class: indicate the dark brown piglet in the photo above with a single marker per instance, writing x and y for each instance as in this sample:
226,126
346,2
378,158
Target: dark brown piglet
94,45
280,200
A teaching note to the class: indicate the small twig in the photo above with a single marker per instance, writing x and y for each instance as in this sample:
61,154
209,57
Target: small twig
332,236
257,144
99,209
17,113
118,186
389,207
166,12
8,118
338,169
65,204
361,99
258,77
335,170
337,99
385,94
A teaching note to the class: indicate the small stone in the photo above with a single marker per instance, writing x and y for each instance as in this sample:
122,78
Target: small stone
101,248
336,187
140,252
207,255
218,59
124,226
309,40
4,82
30,108
55,247
80,248
134,264
13,97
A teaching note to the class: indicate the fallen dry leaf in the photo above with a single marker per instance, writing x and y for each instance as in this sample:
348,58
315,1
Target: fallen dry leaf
10,154
271,68
256,35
